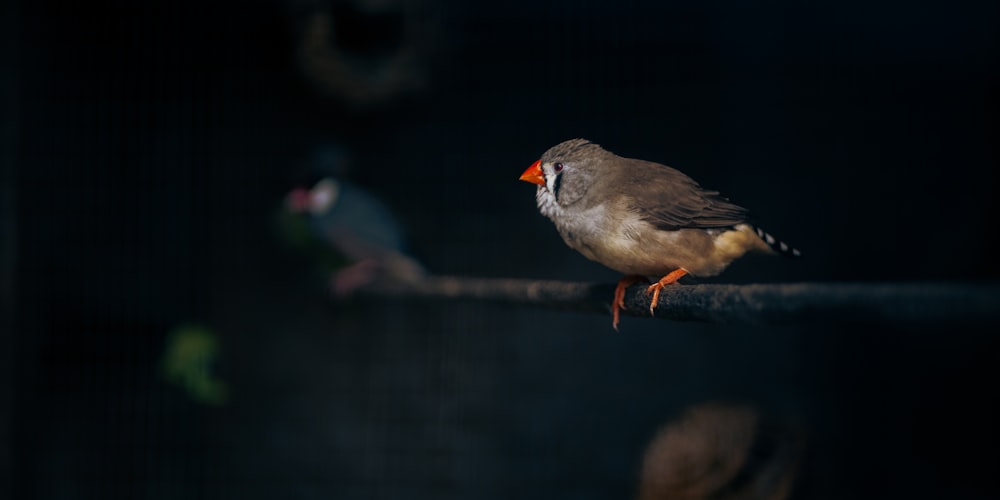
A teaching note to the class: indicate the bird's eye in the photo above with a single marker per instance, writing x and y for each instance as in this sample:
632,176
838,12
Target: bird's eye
558,167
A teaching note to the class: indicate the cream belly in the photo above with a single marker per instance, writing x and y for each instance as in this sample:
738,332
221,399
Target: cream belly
635,247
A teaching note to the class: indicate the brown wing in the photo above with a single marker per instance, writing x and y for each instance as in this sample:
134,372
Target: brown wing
671,200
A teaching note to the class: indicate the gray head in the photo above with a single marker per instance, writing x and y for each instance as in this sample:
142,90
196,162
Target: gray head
565,173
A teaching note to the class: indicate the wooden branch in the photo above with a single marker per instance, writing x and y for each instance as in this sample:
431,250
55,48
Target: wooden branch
759,303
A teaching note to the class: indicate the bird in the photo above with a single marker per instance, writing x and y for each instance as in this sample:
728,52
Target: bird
643,219
365,238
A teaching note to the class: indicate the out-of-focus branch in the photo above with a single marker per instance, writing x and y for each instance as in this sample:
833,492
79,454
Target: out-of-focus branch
761,303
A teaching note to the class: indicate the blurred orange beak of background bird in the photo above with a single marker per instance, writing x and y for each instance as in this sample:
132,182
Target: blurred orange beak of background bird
534,174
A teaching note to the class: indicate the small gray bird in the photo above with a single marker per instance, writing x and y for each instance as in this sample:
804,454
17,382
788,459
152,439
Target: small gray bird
641,218
360,228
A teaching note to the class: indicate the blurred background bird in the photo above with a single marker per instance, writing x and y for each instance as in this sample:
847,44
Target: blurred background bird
349,232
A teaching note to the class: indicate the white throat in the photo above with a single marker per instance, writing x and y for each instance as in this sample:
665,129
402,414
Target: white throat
323,195
547,203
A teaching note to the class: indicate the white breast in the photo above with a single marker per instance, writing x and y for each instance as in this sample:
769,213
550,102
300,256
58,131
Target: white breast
590,231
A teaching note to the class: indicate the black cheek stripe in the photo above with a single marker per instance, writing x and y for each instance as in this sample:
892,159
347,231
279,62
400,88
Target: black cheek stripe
555,186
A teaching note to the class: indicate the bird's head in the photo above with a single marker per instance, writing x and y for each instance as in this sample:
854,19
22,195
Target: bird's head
565,172
314,201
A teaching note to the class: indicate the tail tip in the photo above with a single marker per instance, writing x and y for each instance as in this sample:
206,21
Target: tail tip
776,244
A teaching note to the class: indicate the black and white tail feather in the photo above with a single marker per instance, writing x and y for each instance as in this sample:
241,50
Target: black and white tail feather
780,247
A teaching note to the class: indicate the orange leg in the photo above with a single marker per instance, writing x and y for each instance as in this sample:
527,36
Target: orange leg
619,301
655,288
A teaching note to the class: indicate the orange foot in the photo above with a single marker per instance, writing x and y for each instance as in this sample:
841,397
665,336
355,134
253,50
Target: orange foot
664,281
619,301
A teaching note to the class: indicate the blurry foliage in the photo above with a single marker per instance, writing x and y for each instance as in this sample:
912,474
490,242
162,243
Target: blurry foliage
189,356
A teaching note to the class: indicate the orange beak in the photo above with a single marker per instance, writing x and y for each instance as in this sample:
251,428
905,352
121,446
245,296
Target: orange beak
534,174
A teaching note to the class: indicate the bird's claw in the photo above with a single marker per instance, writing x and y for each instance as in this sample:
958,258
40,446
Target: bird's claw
655,289
345,281
618,303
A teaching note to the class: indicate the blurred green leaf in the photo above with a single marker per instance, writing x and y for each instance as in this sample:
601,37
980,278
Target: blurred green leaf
190,353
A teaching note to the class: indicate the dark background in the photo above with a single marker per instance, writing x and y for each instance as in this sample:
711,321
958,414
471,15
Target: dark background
148,145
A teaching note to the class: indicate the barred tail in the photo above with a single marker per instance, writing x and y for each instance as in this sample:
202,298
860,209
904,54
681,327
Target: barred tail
777,245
